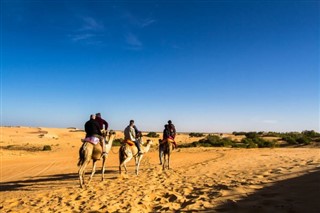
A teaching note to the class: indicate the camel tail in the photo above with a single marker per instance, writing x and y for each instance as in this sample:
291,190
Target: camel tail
81,156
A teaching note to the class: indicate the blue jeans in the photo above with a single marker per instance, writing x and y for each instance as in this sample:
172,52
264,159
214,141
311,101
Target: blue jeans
137,143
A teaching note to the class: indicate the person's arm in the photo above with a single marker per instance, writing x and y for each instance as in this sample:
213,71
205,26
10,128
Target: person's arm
106,125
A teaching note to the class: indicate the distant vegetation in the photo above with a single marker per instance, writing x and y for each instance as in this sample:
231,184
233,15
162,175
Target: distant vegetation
196,134
117,142
152,135
257,140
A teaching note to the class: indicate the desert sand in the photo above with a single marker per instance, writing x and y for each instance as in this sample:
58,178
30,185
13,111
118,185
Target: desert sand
200,179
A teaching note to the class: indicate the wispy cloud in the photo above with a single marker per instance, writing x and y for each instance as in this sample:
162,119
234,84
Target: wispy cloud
90,32
146,22
79,37
91,24
133,40
137,22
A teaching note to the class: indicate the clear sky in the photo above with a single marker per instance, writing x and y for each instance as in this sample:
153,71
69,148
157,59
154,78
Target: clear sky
209,66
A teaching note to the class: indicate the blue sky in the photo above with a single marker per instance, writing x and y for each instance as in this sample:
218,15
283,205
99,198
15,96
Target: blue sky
209,66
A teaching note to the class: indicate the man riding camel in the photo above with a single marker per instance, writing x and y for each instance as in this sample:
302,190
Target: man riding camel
92,129
130,134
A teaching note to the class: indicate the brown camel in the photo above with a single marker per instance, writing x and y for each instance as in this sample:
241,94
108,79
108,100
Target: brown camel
126,153
92,152
166,148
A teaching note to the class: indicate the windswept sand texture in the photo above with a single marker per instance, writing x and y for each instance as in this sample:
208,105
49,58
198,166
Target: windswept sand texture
201,179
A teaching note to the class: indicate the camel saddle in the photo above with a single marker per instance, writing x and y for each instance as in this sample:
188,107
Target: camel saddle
129,142
169,140
93,140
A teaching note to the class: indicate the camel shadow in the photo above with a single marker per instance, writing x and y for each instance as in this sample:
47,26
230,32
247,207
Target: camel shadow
299,194
51,181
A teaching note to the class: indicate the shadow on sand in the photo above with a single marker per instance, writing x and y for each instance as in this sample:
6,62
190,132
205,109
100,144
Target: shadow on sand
51,181
300,194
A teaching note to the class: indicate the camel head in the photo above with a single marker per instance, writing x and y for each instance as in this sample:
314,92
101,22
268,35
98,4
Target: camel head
149,142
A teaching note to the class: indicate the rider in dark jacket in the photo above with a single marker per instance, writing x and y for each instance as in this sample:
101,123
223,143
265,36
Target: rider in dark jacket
92,129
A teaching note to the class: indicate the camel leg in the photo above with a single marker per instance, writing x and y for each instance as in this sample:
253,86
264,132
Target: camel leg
138,160
169,160
103,167
93,170
160,154
125,162
82,171
164,161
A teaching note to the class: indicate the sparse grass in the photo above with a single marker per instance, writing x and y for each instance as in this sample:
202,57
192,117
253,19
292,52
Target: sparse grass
22,148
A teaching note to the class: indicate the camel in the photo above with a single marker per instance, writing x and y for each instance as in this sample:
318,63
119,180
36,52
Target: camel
166,149
126,152
93,152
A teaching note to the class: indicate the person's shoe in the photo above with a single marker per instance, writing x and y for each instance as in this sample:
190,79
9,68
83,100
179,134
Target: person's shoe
103,154
140,153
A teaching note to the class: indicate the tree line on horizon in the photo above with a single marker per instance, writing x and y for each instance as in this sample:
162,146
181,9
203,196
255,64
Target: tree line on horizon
256,139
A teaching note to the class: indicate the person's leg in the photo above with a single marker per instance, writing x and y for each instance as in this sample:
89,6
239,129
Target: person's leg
102,142
137,143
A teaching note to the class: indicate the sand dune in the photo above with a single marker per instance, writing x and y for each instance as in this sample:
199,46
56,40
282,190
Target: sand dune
201,179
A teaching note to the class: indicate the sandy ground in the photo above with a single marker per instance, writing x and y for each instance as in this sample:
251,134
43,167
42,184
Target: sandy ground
200,179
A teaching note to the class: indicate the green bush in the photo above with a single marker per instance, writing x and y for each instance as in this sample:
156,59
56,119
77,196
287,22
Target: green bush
117,142
46,148
304,140
249,143
252,135
152,135
238,133
195,134
310,133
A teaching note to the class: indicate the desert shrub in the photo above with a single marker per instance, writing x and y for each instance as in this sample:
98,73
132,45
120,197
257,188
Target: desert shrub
252,135
239,145
272,134
303,140
316,140
196,134
117,142
263,143
249,143
227,142
290,140
238,133
46,148
310,133
152,135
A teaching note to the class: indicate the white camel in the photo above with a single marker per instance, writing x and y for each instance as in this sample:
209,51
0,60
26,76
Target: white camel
127,152
90,151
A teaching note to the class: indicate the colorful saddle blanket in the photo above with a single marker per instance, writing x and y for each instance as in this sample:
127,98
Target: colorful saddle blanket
170,139
92,139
